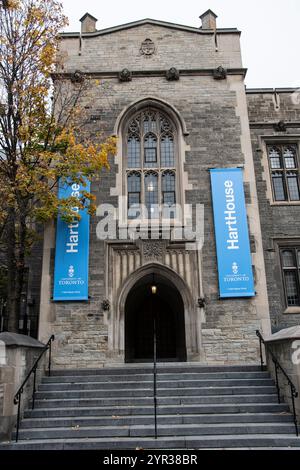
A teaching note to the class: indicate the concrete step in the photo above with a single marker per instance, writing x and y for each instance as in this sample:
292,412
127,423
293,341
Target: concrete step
133,410
138,401
163,430
129,420
170,377
242,441
149,384
161,392
175,368
198,407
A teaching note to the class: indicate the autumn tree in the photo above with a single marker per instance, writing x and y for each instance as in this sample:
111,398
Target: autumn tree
44,135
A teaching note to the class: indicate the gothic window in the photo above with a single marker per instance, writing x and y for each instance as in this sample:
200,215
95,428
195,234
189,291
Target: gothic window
290,263
151,162
284,168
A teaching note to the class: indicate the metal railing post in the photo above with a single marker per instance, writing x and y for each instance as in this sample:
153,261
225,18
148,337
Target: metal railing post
154,373
294,395
50,352
261,355
18,418
277,381
34,388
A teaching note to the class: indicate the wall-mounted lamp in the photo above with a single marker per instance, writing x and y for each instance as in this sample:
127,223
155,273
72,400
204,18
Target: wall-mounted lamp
105,305
201,302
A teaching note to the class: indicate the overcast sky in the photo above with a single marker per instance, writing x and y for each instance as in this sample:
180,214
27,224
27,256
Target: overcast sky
270,29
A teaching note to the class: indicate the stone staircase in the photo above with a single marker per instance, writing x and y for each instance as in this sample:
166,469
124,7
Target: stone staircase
199,407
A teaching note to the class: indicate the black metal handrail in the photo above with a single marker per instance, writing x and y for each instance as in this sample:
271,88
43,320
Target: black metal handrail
155,375
18,395
278,367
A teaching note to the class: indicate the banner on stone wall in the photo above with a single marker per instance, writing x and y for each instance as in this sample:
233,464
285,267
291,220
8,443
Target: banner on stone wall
72,249
231,233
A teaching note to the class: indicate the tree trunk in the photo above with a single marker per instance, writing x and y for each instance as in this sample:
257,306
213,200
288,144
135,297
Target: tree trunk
12,303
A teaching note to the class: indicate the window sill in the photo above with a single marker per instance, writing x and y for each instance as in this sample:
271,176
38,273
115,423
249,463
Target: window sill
285,203
292,310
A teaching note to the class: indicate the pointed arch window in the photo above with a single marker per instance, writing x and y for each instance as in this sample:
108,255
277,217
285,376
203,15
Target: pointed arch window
151,162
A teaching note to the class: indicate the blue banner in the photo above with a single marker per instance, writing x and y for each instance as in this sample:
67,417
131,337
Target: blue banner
72,249
231,232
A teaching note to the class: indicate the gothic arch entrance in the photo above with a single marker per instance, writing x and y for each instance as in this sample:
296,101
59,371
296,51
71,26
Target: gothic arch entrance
166,306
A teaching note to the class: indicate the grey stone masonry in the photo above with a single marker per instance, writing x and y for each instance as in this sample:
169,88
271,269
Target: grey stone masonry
217,134
280,221
180,48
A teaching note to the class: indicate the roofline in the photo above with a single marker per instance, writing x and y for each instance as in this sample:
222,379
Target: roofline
166,24
253,91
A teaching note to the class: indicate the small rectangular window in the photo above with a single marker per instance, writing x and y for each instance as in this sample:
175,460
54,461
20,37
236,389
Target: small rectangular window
284,169
290,265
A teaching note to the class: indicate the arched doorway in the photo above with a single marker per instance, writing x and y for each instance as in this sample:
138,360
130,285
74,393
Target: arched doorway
166,305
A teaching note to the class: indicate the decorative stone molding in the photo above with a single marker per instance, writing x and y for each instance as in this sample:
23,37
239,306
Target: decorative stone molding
77,77
220,73
147,48
125,75
280,126
172,74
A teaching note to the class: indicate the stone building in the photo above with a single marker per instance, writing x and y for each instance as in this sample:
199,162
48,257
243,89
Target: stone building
175,97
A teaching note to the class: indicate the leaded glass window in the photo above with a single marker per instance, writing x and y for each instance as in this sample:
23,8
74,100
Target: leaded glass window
151,194
134,194
151,161
290,262
134,151
284,168
167,150
150,151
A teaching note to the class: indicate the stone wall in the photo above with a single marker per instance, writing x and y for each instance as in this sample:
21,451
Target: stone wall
285,347
121,49
18,354
215,115
279,221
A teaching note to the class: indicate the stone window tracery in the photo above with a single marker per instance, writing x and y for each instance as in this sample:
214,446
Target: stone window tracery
150,161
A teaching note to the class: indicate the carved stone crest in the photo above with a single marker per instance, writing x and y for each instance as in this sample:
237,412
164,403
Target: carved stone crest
147,47
153,250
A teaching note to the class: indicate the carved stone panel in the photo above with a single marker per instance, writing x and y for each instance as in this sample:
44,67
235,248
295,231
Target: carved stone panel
153,250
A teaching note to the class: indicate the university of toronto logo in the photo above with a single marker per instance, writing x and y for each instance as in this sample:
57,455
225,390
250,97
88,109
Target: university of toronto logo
235,268
71,271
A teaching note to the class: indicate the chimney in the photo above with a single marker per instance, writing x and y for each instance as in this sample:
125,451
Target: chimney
209,20
88,23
